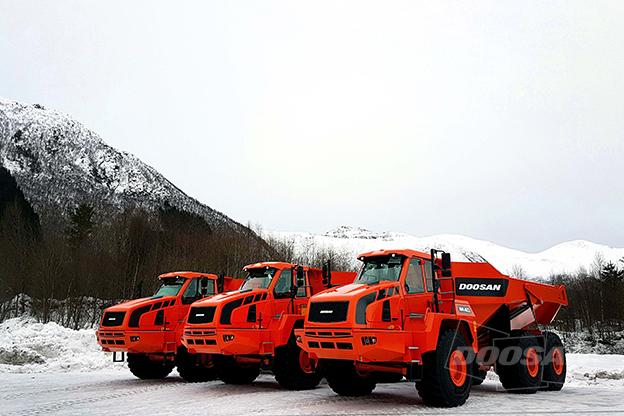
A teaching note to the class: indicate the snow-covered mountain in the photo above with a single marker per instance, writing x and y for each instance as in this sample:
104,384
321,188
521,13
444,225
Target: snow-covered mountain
563,258
59,163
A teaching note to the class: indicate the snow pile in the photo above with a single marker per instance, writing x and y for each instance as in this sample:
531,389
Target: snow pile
593,369
563,258
27,346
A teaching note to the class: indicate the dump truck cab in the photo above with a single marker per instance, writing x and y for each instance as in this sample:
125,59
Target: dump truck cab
252,328
149,329
417,315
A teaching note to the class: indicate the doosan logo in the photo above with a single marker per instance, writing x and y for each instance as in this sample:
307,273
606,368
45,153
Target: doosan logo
477,286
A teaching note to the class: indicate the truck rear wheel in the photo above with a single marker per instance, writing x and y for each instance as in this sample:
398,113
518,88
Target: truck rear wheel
446,377
142,367
554,363
521,375
344,379
293,369
231,372
195,368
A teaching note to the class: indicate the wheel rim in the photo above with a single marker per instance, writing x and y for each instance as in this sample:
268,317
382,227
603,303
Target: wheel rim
532,362
457,368
557,361
305,363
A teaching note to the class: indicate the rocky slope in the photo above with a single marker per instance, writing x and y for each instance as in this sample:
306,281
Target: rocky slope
59,163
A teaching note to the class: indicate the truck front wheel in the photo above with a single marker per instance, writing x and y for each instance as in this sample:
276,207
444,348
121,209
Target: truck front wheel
344,379
446,376
231,372
142,367
195,368
293,369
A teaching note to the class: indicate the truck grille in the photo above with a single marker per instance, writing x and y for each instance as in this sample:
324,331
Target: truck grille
113,318
201,315
328,311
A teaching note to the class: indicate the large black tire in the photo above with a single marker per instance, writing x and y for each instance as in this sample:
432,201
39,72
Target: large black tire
142,367
231,372
195,368
554,364
344,380
290,372
521,375
443,384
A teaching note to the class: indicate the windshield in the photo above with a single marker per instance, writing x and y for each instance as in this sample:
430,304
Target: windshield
258,278
170,286
377,269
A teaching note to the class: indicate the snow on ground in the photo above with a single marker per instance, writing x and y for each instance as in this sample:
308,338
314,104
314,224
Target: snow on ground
49,369
109,392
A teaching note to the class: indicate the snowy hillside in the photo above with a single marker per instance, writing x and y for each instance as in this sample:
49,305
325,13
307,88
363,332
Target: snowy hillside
562,258
59,163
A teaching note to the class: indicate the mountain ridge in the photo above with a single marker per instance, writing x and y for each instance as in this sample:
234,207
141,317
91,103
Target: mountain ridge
60,163
565,257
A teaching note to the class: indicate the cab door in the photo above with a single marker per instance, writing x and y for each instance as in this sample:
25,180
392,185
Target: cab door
416,299
283,302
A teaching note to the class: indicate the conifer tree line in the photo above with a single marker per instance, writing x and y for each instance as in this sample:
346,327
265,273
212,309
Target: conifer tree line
70,274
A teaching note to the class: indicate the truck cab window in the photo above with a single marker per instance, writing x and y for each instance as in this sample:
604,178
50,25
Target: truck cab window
191,294
381,268
170,286
429,276
284,283
414,278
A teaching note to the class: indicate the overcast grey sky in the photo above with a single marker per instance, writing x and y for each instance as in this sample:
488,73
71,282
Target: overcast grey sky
497,120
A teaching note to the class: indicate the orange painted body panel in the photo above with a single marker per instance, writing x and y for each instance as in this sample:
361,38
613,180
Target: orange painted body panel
147,336
411,325
275,317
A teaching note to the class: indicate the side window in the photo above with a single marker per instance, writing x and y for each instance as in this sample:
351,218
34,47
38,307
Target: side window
284,282
191,294
429,276
414,278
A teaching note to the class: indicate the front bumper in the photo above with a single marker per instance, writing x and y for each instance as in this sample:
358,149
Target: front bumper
231,341
144,342
362,345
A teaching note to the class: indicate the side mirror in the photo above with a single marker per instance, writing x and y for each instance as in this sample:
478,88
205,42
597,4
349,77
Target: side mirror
220,282
327,274
300,277
203,286
446,264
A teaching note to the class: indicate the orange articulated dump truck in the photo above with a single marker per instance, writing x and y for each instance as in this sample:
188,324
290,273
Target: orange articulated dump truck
149,329
242,332
441,324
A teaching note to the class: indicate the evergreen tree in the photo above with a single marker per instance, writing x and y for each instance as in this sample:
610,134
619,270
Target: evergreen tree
81,225
12,195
